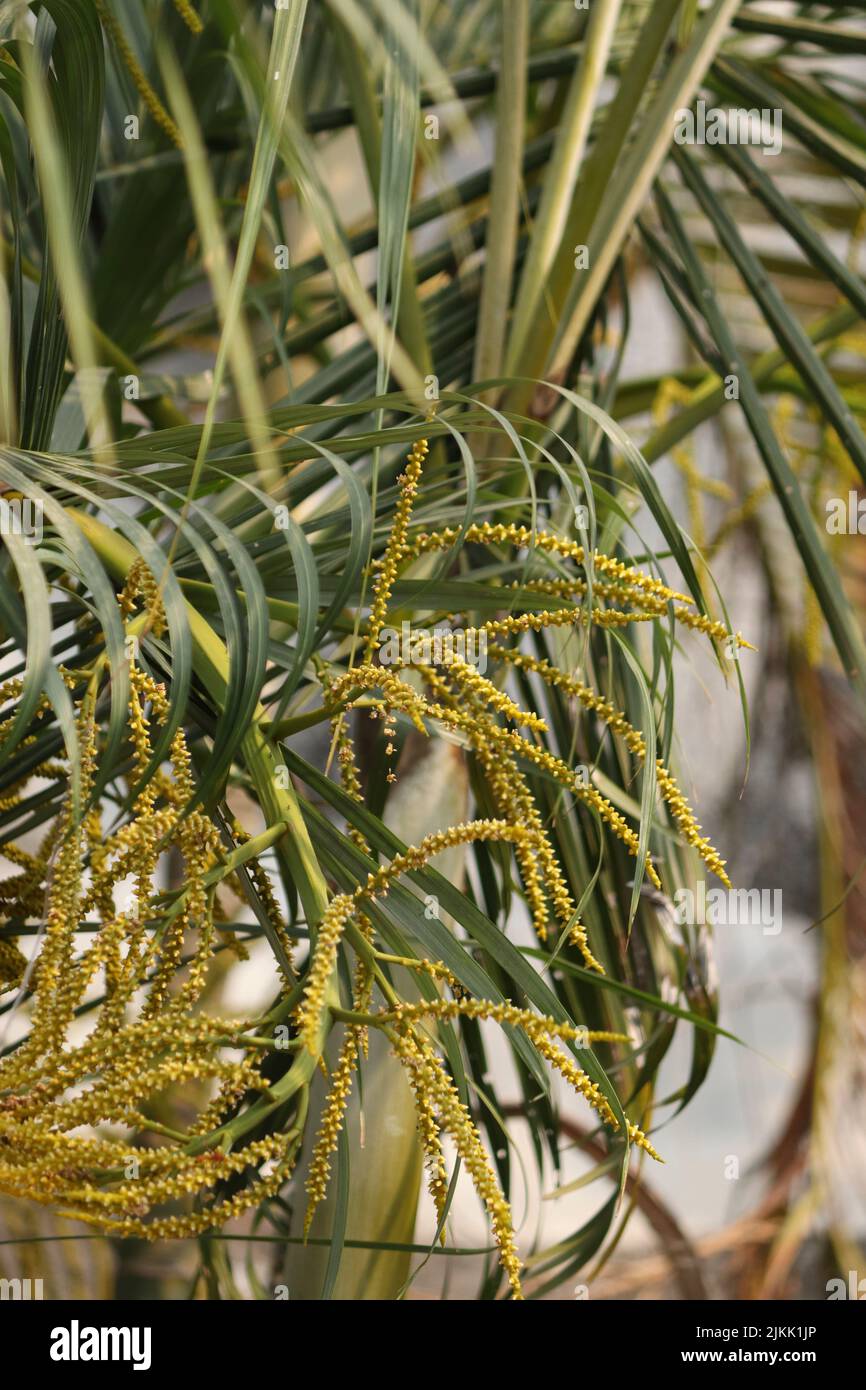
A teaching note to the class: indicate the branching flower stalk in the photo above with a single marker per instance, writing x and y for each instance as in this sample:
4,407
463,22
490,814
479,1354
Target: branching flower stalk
139,1046
73,1113
124,1063
464,701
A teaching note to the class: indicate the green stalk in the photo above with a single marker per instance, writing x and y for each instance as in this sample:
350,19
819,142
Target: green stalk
603,199
502,222
559,180
362,96
631,183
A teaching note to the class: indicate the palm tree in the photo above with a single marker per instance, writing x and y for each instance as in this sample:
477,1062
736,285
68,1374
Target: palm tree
339,602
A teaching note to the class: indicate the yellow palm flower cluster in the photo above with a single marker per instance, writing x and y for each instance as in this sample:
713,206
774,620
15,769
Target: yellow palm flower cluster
397,550
505,739
479,711
115,992
116,1027
438,1105
634,741
649,598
